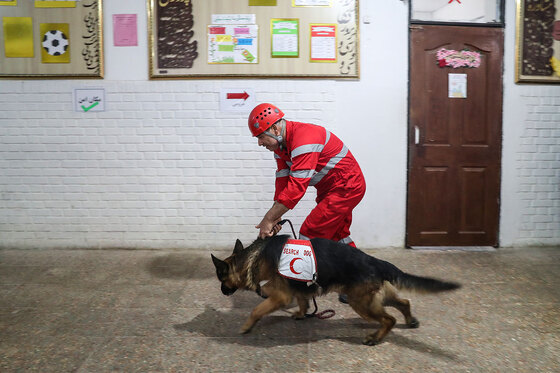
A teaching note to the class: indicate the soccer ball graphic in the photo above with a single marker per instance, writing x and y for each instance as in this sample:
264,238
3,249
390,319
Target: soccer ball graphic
55,42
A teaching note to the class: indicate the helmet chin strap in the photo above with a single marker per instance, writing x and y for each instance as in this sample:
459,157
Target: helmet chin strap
279,138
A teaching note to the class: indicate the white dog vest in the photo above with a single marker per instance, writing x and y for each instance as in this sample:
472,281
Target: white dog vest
298,262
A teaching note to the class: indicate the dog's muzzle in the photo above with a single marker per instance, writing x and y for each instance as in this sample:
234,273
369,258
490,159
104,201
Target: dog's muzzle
228,291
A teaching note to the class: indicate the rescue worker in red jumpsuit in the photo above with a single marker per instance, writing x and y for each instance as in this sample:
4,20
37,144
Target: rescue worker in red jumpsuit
307,154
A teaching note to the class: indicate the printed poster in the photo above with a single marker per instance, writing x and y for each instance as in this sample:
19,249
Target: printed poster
285,37
89,99
233,44
457,85
124,30
323,42
18,36
55,42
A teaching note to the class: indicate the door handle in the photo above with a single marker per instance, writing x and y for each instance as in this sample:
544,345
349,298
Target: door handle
416,135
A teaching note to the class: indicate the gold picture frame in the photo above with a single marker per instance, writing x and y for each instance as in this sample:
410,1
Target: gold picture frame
62,42
537,52
179,45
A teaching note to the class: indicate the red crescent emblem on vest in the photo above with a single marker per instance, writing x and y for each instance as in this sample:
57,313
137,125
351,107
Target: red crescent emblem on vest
292,265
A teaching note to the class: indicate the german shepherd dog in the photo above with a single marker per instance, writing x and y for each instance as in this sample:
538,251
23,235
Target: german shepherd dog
369,283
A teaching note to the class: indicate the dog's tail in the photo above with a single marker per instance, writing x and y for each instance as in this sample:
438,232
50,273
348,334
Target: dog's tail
423,284
403,280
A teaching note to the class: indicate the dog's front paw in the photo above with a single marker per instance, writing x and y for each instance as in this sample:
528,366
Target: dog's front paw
244,331
246,328
371,340
413,323
298,316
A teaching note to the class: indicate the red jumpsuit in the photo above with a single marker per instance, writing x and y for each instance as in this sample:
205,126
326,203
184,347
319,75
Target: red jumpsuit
314,156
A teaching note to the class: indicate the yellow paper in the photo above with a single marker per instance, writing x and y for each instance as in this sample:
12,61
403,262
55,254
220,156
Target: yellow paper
55,42
55,4
262,2
223,38
18,36
555,63
8,2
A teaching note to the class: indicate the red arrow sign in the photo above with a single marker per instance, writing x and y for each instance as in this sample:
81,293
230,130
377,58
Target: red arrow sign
237,96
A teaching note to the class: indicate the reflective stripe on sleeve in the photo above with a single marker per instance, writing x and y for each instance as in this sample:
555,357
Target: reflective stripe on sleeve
308,148
283,173
315,176
302,174
329,166
311,148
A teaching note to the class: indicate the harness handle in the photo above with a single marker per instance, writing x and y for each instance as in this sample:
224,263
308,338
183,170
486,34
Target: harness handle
281,222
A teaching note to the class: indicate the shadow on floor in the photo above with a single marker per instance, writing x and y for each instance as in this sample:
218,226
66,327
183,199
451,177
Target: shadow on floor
180,266
205,325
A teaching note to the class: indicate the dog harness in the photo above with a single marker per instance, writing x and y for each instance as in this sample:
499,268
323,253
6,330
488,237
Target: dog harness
298,262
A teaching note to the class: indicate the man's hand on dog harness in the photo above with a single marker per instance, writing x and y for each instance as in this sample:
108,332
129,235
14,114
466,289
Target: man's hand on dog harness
268,229
269,226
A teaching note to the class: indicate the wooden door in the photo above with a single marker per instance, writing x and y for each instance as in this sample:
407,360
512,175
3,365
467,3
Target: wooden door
454,143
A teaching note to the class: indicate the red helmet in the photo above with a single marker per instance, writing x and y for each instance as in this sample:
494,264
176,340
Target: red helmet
262,117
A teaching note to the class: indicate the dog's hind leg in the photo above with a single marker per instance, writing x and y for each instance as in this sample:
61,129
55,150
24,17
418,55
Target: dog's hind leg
392,299
274,302
370,307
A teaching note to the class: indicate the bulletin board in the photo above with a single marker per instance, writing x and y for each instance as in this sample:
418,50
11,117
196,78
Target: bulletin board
253,38
51,39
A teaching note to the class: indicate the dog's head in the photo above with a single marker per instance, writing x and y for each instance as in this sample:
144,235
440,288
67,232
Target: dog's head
228,272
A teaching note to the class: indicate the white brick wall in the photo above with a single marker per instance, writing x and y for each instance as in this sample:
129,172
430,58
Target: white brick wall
161,167
538,165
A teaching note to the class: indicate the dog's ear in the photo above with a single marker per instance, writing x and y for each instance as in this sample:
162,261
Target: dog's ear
221,266
238,247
